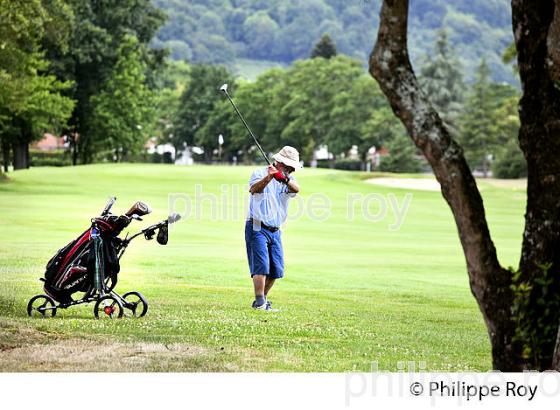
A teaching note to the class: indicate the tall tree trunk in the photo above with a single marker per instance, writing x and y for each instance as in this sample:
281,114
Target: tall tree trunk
73,138
27,156
490,283
84,149
5,155
536,28
21,155
20,146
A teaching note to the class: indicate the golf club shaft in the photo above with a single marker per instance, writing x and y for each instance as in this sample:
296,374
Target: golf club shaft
248,129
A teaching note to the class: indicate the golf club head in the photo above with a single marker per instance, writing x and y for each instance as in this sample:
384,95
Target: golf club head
223,88
163,235
139,208
173,218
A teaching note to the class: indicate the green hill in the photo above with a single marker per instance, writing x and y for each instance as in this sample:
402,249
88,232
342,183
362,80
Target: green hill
221,31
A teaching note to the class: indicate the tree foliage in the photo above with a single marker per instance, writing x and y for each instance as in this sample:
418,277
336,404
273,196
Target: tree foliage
100,29
31,99
222,30
332,102
123,113
315,102
441,79
103,62
325,48
58,71
489,121
510,162
401,156
197,102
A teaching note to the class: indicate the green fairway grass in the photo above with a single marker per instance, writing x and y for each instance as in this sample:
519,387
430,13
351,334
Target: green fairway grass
355,292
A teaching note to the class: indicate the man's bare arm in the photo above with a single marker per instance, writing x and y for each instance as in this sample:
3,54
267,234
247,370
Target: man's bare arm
293,186
258,187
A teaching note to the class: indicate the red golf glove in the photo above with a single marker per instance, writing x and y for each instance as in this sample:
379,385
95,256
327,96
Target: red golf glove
280,177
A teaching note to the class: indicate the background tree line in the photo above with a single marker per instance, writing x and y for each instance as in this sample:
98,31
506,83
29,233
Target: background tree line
330,100
85,69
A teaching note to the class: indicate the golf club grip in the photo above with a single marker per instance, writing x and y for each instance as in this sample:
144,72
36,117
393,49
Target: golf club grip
248,129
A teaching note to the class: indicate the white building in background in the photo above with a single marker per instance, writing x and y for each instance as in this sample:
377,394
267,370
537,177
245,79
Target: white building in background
152,148
372,158
320,153
353,153
184,158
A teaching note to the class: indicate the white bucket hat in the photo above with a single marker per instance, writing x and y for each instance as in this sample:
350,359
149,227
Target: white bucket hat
288,156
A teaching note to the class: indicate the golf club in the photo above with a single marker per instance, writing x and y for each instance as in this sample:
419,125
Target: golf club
224,89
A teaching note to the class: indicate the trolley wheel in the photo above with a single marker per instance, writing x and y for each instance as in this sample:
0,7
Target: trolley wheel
41,306
137,303
108,307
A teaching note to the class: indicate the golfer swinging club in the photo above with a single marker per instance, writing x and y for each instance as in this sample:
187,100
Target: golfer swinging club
270,188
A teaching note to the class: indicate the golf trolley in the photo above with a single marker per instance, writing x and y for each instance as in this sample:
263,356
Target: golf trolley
91,264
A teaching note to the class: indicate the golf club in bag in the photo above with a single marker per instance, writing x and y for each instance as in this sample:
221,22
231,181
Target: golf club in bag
279,176
91,264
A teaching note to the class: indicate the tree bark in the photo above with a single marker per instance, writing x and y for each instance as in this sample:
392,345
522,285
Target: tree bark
536,28
27,156
20,155
389,64
73,139
553,42
6,155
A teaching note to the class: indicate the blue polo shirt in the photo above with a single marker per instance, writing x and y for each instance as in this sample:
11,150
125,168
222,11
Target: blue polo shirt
270,206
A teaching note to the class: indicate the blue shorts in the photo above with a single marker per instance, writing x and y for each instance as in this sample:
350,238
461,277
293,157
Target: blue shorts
264,252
